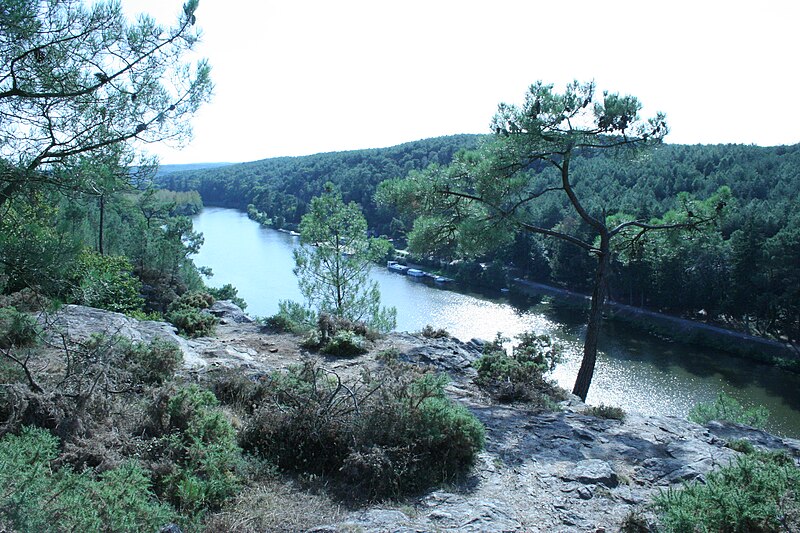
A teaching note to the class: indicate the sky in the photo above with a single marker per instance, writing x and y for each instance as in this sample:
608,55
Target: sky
299,77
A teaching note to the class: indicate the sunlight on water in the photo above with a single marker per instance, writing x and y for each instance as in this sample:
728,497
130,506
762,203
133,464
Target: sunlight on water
634,371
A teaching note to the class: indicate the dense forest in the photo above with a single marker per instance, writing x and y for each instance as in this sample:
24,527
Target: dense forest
743,270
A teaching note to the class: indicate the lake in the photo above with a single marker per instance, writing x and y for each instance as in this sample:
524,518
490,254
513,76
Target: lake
635,370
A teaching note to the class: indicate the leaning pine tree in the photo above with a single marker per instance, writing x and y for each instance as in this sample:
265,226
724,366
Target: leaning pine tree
484,196
333,262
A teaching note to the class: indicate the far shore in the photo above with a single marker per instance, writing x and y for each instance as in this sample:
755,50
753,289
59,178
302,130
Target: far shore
681,329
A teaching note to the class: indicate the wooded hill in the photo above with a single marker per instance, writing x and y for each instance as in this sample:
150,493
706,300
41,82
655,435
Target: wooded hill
744,271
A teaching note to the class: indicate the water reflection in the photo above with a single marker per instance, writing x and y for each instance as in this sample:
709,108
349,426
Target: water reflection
634,371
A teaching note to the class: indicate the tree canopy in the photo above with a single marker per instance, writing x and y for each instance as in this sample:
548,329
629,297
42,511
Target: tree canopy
76,79
490,191
334,259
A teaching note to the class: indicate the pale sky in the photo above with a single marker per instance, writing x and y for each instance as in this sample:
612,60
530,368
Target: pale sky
299,77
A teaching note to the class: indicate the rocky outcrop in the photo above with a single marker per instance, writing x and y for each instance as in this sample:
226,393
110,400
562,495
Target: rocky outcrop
541,471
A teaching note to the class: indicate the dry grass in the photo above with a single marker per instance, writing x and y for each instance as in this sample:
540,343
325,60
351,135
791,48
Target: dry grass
275,506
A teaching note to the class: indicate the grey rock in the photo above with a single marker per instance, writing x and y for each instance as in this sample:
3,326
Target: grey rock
594,471
228,312
78,323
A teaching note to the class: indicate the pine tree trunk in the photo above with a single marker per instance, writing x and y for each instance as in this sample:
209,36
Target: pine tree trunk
586,372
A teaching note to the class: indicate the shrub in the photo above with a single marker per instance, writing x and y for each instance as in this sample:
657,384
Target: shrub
346,344
192,322
606,411
152,363
292,317
740,445
17,329
107,282
756,493
199,443
35,497
520,376
430,333
186,313
227,292
728,409
384,435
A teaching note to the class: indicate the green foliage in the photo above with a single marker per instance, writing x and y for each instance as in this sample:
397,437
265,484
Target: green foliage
38,497
227,292
741,446
519,376
606,411
81,79
201,444
283,187
333,262
385,435
727,409
17,329
292,317
429,332
153,363
107,282
345,344
756,493
186,313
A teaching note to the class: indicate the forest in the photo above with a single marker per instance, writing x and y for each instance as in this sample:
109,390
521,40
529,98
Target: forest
742,271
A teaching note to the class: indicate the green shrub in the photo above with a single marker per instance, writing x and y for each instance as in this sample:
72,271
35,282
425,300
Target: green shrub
192,322
152,363
107,282
186,313
199,443
193,300
346,344
227,292
17,329
292,317
37,497
756,493
606,411
727,409
519,376
430,333
384,435
741,445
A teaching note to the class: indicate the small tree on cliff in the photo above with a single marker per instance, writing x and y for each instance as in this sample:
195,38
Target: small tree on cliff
484,196
333,262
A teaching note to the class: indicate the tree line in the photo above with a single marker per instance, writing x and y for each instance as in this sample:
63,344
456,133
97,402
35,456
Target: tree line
742,270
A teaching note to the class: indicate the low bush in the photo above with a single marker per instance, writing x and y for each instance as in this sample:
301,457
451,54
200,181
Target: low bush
192,322
151,363
17,329
107,282
195,445
37,497
430,333
227,292
386,434
187,314
740,445
606,411
756,493
727,409
292,317
519,376
346,344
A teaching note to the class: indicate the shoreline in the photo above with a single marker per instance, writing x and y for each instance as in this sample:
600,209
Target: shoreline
681,329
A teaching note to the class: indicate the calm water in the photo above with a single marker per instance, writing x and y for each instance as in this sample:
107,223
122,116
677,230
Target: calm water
634,371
